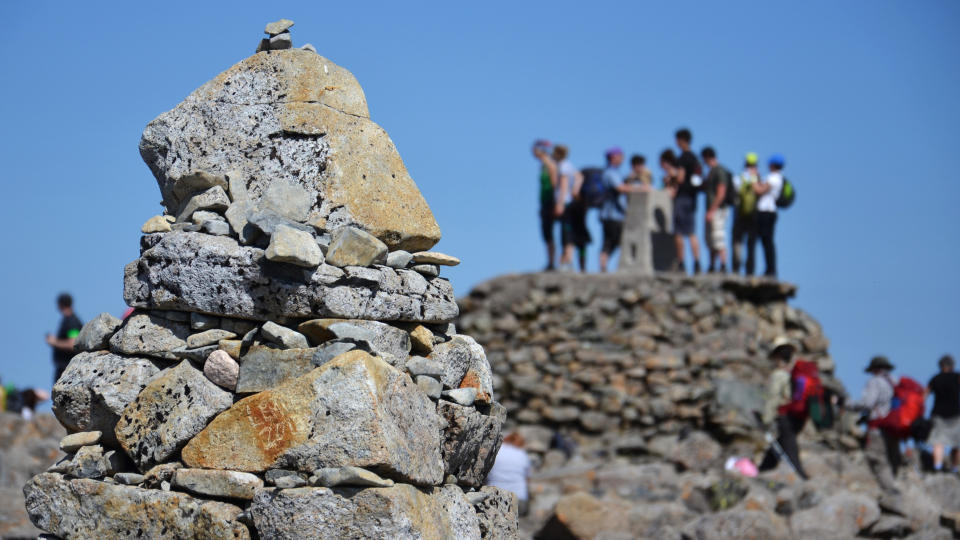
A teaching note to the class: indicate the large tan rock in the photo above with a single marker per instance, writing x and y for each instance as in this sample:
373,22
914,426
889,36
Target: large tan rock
355,410
292,116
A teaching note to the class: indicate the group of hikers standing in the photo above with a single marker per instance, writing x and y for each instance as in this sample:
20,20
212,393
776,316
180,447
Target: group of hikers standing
891,407
567,193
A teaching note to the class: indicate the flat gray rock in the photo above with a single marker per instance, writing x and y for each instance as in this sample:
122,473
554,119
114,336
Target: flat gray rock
263,368
278,27
401,511
214,274
428,270
350,246
96,387
386,341
430,386
330,350
418,365
208,337
349,476
83,508
471,441
95,335
283,336
193,182
289,245
145,334
280,42
216,227
214,483
461,396
399,259
172,408
75,441
214,199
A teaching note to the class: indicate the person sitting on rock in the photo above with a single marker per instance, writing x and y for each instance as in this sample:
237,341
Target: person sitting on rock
511,468
779,395
882,450
945,387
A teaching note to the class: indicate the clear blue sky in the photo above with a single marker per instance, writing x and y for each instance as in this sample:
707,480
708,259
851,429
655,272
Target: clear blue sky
861,97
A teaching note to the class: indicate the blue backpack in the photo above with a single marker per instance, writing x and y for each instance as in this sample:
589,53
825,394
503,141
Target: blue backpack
592,191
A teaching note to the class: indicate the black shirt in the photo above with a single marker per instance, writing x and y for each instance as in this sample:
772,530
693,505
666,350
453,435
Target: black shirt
946,394
69,328
691,166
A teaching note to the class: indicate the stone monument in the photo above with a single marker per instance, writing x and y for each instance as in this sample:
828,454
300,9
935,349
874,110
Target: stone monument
647,245
290,369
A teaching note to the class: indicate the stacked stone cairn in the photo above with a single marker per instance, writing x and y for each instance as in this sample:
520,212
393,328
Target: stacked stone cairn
290,369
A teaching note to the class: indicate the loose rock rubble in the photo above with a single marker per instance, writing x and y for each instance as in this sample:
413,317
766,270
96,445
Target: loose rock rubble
632,392
264,385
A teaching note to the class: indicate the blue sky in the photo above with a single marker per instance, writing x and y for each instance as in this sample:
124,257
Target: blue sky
860,96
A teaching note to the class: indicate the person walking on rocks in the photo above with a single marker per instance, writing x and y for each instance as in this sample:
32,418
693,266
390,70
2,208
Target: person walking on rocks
613,209
66,336
550,209
745,206
688,182
765,220
776,409
511,468
945,387
573,226
882,449
719,196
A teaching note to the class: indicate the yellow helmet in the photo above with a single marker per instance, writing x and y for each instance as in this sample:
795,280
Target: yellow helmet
752,158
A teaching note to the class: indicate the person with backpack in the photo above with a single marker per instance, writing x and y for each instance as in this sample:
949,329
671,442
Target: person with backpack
573,222
613,208
882,447
945,387
765,220
639,173
720,195
745,205
549,210
687,183
789,389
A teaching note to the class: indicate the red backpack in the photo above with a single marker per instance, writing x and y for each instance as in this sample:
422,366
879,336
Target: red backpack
905,408
805,380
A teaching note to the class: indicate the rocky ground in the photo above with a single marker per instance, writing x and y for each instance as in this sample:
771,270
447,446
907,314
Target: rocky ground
27,447
654,380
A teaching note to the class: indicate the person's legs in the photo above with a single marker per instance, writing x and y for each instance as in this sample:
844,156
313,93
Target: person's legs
788,428
751,244
678,244
695,252
718,238
546,230
938,451
766,224
582,253
737,237
879,460
612,231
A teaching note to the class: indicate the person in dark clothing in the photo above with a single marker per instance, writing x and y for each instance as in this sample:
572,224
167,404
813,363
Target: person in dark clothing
778,396
549,210
765,219
66,337
945,387
688,181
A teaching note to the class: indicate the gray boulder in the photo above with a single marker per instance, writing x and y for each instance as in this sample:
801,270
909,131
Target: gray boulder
150,335
263,368
212,483
95,335
471,441
841,515
350,246
386,341
214,199
289,245
497,514
283,336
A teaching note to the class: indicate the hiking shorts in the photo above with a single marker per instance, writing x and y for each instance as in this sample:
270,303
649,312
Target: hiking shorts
547,219
612,231
946,431
684,210
717,230
574,229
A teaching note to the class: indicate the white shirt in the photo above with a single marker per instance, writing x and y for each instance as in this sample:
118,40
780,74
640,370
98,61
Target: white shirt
567,169
510,470
768,201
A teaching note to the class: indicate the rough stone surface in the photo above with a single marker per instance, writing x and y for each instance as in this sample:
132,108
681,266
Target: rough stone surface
208,337
401,511
263,368
149,335
172,408
350,246
83,508
292,246
460,355
435,257
427,270
421,339
283,336
430,386
399,258
470,441
840,515
308,120
75,441
96,387
156,224
497,514
214,274
462,396
95,335
353,411
222,370
330,350
215,483
388,342
214,199
280,42
278,27
349,476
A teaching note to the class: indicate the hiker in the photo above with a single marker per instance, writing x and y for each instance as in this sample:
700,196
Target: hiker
573,223
510,470
66,337
639,173
765,218
21,400
549,208
719,190
684,194
785,407
945,387
745,205
612,210
882,448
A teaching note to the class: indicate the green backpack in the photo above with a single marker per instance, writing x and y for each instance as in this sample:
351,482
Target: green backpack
747,199
787,194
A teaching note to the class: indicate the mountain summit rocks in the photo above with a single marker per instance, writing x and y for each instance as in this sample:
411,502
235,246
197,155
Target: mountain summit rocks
263,387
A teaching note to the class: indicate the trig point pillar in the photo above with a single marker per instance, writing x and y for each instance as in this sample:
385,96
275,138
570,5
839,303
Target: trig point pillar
647,244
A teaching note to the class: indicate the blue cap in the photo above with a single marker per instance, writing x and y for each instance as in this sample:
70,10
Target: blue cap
777,159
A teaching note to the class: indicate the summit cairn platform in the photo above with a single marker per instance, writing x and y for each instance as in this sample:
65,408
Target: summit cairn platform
290,370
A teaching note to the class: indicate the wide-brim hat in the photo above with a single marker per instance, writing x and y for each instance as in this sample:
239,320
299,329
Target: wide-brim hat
879,362
781,342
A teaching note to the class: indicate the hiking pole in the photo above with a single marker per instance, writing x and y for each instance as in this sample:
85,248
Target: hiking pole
775,445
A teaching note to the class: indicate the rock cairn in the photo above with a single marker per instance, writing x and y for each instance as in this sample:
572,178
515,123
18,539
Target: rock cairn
290,370
654,380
